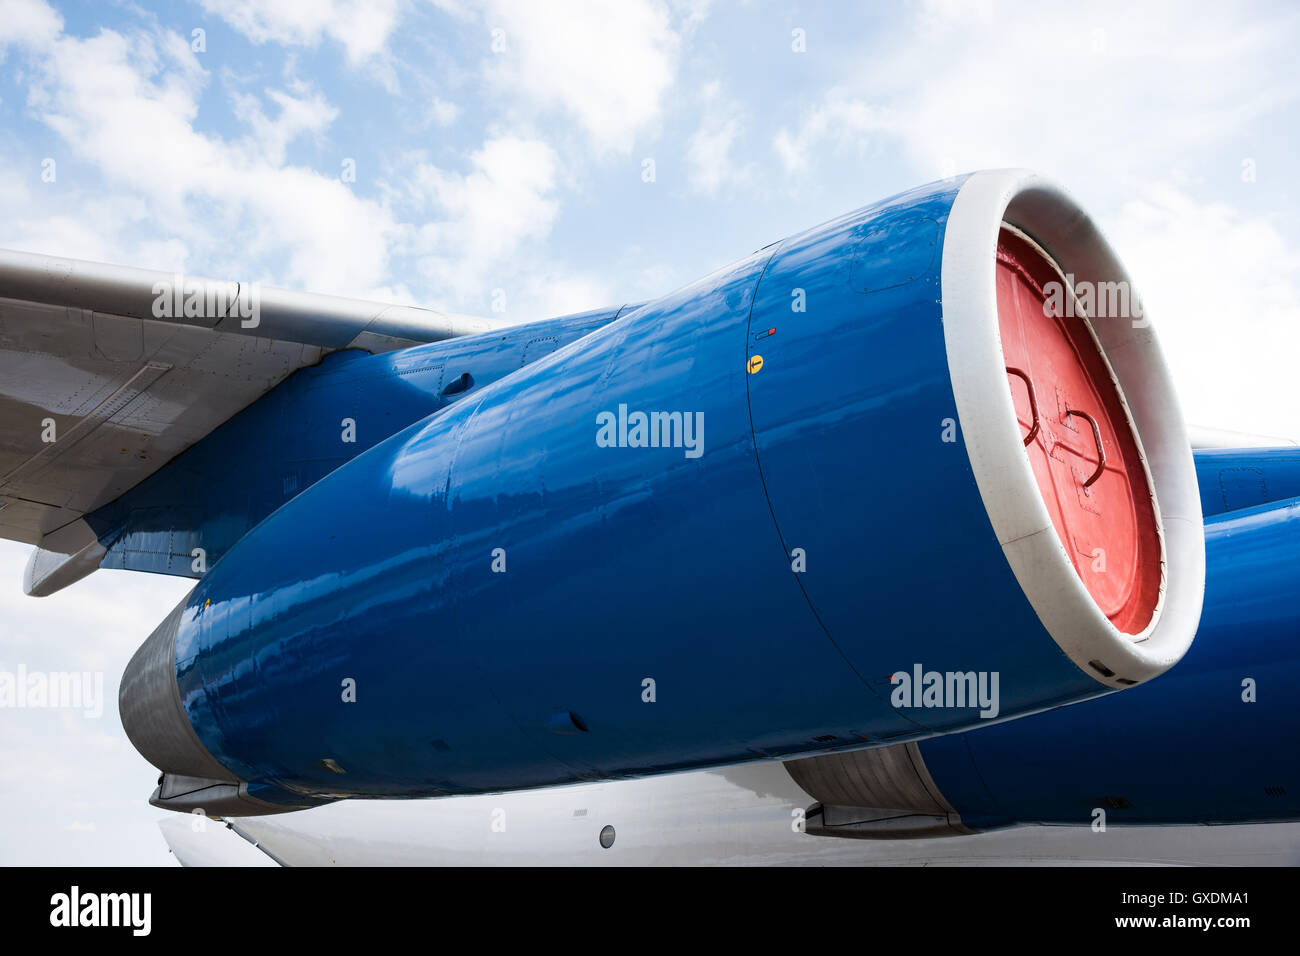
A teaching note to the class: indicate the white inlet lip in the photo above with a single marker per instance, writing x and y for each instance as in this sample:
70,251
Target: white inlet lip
1003,473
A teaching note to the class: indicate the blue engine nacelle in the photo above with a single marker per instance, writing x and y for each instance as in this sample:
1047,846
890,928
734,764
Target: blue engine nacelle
1213,741
729,525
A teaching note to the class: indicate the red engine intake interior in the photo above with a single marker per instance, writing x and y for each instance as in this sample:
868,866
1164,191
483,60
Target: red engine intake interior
1078,437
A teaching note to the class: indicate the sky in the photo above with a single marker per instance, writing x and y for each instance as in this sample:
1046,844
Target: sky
540,159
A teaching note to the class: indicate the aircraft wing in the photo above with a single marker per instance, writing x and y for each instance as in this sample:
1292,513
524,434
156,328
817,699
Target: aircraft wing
107,373
1202,437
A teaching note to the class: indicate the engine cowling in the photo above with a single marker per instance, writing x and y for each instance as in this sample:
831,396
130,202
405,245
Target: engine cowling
1212,742
747,520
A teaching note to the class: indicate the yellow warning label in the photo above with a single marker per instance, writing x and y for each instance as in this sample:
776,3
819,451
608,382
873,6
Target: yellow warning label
755,363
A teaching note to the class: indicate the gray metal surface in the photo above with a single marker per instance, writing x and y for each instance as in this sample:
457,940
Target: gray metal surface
97,392
885,793
327,321
215,798
155,721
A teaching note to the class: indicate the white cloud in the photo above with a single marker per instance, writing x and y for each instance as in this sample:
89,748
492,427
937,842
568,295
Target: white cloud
114,98
1080,90
608,65
709,160
361,26
554,290
484,215
308,113
28,21
840,121
72,788
708,154
1223,293
128,105
691,13
470,250
444,112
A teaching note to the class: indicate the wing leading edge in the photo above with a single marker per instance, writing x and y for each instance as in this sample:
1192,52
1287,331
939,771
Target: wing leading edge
107,373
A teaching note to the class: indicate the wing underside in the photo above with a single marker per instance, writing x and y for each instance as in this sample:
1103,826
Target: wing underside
107,373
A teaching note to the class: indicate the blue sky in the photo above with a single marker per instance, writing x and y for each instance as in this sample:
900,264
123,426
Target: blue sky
503,146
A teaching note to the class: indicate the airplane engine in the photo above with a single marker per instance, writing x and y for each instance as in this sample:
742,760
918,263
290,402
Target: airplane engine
914,470
1114,762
